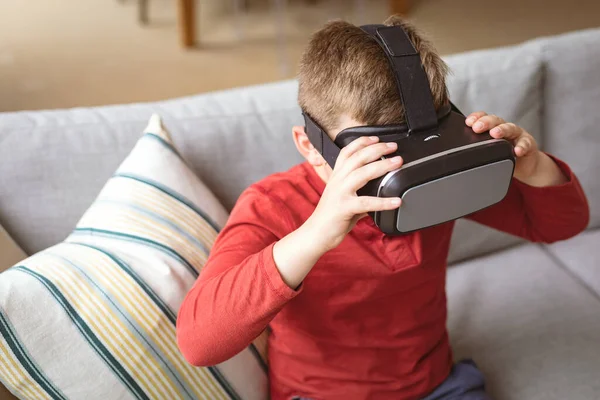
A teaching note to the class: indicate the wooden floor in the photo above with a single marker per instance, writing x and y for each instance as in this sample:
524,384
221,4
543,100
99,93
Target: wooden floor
67,53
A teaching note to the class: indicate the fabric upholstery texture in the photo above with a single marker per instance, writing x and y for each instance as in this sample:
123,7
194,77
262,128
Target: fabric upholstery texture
571,103
483,81
94,316
581,256
530,327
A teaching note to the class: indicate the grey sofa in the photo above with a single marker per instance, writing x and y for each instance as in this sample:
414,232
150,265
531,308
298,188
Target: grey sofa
528,314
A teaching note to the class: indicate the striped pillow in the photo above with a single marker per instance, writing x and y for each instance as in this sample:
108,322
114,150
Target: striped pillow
94,316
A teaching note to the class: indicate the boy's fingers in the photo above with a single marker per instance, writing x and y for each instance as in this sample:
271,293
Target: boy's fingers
508,131
359,177
471,118
486,122
368,154
365,204
356,145
524,145
523,141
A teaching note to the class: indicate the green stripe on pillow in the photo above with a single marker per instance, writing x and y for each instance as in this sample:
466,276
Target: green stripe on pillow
162,141
19,351
171,193
103,293
143,285
159,219
136,239
85,330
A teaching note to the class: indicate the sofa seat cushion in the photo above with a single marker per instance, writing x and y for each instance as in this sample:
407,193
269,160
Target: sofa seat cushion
532,329
581,255
94,316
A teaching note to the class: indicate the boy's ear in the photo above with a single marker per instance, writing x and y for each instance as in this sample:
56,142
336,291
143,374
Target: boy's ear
306,148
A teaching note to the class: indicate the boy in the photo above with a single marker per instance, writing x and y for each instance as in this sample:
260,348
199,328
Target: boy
353,313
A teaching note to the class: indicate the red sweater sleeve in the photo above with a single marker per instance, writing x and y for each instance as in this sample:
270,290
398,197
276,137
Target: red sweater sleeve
540,214
240,290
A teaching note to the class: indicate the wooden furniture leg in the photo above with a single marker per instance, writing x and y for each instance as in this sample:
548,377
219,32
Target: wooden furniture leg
399,6
143,11
187,22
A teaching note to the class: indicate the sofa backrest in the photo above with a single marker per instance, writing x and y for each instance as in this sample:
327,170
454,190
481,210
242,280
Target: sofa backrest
55,162
571,119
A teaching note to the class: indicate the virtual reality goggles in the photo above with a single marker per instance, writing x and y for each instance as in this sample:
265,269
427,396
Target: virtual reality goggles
448,172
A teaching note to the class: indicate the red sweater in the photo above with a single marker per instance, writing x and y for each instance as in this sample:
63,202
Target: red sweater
369,321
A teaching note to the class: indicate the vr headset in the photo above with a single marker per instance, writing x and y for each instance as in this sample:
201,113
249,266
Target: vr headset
449,171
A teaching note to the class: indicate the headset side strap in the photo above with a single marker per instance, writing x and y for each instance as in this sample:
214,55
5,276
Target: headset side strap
321,140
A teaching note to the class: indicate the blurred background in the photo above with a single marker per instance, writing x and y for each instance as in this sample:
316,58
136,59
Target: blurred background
67,53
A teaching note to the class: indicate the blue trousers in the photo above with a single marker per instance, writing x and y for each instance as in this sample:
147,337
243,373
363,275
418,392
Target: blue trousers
465,382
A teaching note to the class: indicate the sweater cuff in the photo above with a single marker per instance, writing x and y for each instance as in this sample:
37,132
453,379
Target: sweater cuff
570,184
273,276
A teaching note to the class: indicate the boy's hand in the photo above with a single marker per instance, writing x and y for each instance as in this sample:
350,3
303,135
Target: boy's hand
532,166
340,207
